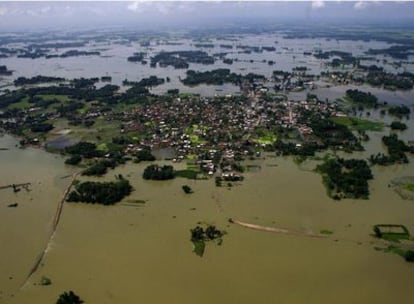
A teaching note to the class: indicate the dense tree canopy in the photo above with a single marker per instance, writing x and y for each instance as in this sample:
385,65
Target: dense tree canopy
105,193
84,149
145,155
69,298
346,178
156,172
399,111
362,98
398,125
73,160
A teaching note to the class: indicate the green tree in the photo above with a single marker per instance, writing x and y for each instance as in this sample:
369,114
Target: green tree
69,298
156,172
187,189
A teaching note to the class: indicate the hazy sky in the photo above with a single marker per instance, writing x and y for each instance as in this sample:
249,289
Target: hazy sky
149,14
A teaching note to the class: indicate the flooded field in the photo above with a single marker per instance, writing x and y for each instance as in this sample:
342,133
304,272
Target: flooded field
141,252
288,54
24,230
334,92
126,254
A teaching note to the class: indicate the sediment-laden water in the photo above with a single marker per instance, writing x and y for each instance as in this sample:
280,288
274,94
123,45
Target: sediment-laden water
127,254
113,62
142,253
24,230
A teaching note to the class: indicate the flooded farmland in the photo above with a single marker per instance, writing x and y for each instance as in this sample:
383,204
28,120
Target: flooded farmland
139,250
112,61
125,254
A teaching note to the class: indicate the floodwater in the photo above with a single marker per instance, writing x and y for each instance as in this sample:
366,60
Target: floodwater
126,254
113,62
24,230
131,254
331,93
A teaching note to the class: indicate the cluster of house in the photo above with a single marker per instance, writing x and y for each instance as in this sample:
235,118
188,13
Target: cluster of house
210,130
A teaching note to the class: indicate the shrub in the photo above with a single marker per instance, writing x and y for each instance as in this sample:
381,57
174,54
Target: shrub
73,160
187,189
409,256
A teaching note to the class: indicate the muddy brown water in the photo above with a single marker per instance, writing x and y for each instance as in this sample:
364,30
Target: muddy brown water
124,254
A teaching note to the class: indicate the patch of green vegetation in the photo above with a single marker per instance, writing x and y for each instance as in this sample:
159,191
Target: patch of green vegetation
105,193
84,109
202,176
102,131
122,107
102,147
84,149
22,104
145,155
44,281
187,189
346,178
98,168
265,137
114,147
188,130
61,98
191,132
192,166
155,172
69,298
399,111
191,156
199,237
362,98
398,125
186,173
408,255
326,232
359,124
136,201
393,237
293,134
396,150
344,99
392,233
73,160
408,187
195,139
199,247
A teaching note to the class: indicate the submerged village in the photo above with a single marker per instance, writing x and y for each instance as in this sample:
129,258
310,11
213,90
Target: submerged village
213,133
101,128
98,125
